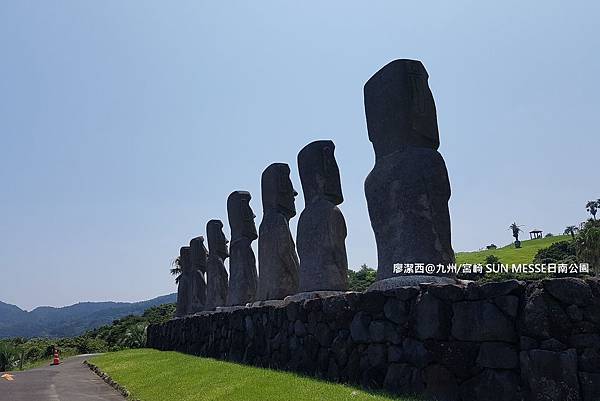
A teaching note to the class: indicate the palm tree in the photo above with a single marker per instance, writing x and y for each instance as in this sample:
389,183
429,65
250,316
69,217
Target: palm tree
515,230
588,246
592,207
176,269
8,357
135,337
571,230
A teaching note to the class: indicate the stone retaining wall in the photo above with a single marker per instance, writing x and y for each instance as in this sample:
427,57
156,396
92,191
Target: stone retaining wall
498,341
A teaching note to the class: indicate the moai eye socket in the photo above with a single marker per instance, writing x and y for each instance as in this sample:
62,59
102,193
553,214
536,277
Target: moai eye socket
247,213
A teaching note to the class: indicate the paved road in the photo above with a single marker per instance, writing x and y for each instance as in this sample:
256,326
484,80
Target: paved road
70,381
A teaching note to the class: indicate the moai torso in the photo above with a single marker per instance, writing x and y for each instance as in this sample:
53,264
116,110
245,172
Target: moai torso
242,262
277,258
185,289
198,255
216,275
408,189
321,227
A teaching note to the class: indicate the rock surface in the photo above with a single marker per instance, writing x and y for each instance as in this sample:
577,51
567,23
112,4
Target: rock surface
408,189
277,258
321,227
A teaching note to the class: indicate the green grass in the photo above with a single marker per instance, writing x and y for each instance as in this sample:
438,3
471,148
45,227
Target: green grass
152,375
509,254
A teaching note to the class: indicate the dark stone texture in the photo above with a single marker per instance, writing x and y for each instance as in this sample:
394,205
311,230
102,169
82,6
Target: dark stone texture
496,289
508,304
589,360
198,256
415,353
550,375
277,259
569,290
396,311
191,291
527,343
217,279
440,383
242,262
586,340
481,321
432,318
492,385
321,232
575,314
543,317
446,292
590,386
497,356
359,327
401,378
408,189
458,356
552,344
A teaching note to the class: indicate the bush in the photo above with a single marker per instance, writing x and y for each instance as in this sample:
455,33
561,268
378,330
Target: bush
559,252
362,279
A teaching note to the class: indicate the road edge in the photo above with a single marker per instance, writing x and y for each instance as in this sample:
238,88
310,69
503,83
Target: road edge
109,380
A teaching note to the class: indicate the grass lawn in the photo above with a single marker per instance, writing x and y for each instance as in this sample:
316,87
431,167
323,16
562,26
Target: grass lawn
509,254
152,375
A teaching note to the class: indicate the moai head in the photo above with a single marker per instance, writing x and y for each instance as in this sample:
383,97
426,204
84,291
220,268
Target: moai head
198,254
185,259
217,243
400,109
319,173
277,190
241,217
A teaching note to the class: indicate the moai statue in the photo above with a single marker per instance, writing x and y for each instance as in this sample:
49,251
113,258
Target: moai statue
216,275
321,227
198,254
277,257
242,262
408,189
185,289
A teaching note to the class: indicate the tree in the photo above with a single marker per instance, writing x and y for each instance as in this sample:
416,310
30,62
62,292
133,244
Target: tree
135,337
588,245
515,230
176,269
558,252
8,356
492,260
592,207
571,230
362,279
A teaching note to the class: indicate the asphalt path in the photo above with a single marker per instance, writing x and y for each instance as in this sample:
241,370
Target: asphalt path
69,381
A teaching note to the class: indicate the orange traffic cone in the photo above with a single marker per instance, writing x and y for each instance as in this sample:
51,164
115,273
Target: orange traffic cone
56,358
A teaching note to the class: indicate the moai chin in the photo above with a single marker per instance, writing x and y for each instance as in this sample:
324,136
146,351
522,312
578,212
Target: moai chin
216,274
185,289
277,257
198,255
321,227
408,189
242,262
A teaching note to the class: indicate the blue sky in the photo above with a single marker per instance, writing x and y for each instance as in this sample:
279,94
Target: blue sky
125,125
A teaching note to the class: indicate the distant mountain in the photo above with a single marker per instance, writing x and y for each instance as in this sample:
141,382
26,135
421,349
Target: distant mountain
69,321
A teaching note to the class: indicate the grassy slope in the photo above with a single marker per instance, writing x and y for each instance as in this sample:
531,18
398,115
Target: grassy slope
509,254
152,375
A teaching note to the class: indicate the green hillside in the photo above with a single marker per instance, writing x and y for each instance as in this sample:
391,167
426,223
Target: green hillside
509,254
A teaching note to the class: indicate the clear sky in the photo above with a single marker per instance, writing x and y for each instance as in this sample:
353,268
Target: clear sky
124,125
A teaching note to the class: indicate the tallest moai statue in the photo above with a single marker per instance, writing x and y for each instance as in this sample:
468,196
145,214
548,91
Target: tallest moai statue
408,189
